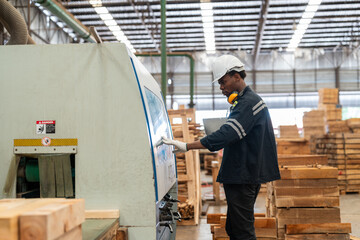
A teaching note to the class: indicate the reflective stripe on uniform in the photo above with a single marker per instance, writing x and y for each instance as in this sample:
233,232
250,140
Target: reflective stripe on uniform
235,128
239,125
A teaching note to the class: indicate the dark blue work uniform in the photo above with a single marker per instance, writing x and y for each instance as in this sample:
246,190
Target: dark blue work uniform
250,158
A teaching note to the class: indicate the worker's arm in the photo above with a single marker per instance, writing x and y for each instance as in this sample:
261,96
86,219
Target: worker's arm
195,145
182,146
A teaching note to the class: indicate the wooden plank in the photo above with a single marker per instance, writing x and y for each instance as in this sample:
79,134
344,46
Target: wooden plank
318,228
309,192
216,185
47,177
308,173
102,214
318,237
306,183
307,202
289,160
214,218
308,213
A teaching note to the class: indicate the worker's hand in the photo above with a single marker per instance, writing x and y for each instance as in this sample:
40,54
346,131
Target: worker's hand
179,146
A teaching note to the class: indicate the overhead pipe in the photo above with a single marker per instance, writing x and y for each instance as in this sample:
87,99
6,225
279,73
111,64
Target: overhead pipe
15,24
192,64
58,10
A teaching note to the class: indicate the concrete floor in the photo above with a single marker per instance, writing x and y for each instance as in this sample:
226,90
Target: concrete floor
349,208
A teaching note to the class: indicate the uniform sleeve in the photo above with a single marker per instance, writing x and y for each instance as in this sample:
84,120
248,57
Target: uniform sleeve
238,125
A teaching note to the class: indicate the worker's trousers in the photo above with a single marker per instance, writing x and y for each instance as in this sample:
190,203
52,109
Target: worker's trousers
240,213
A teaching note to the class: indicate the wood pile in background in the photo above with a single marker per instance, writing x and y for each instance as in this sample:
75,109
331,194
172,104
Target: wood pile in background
292,146
44,219
185,129
343,152
265,228
305,194
313,123
333,231
289,131
353,124
329,103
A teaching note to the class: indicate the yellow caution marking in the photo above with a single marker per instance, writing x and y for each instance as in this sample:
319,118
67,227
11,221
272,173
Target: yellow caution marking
54,142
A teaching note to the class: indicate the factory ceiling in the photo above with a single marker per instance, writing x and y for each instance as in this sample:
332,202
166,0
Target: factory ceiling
251,26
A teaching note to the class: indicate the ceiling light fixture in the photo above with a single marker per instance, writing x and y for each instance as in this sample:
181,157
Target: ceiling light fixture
208,26
303,24
109,21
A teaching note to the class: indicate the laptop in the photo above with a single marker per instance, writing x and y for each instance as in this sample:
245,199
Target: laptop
213,124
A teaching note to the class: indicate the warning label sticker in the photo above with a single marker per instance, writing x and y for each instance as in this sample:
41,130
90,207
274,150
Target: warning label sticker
45,127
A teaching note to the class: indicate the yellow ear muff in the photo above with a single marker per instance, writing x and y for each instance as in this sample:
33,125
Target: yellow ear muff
233,96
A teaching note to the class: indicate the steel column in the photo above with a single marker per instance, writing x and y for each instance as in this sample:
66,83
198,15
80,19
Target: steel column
163,49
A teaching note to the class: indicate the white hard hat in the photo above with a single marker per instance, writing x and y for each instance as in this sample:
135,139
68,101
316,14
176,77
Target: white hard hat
224,64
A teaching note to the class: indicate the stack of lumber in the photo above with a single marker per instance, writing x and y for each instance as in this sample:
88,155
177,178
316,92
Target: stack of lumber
188,166
313,123
292,146
328,95
289,131
265,228
329,103
305,194
296,160
343,152
354,124
34,219
334,231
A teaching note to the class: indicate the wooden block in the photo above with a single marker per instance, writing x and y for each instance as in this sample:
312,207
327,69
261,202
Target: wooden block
9,226
318,228
308,173
318,237
214,218
50,221
101,214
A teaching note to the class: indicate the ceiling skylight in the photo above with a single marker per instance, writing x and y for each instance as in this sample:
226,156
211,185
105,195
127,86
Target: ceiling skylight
303,24
111,23
208,26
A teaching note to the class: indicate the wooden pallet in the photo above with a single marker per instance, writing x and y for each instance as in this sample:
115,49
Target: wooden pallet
265,228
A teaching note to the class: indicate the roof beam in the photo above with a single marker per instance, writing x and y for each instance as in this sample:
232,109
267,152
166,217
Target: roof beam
140,16
260,31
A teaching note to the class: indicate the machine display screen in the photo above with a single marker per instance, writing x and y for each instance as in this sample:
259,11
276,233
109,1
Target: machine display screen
160,126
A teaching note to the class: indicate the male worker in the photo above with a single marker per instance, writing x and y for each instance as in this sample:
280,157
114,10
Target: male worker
250,156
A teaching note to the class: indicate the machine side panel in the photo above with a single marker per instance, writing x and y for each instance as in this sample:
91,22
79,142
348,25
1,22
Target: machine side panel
91,92
159,126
